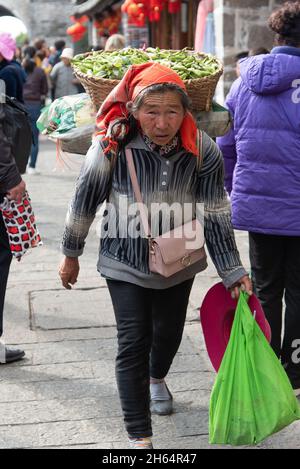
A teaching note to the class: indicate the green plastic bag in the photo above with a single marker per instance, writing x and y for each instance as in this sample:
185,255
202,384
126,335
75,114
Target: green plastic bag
252,397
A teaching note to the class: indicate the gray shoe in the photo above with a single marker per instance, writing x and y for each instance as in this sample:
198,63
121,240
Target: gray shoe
162,407
11,355
140,443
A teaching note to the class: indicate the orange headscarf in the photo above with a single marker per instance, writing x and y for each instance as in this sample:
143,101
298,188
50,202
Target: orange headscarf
136,79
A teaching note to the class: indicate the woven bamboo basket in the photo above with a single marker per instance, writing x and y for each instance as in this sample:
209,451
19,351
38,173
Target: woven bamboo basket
199,90
79,146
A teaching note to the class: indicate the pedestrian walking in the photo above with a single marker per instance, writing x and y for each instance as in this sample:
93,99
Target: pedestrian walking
238,57
148,114
62,77
262,155
11,72
12,186
34,92
56,52
115,42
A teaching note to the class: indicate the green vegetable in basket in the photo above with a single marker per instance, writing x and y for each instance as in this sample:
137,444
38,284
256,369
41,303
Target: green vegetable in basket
113,65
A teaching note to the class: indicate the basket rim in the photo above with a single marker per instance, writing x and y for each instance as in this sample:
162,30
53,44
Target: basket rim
97,80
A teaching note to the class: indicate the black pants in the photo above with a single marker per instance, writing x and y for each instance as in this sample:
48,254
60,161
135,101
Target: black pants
150,325
275,264
5,260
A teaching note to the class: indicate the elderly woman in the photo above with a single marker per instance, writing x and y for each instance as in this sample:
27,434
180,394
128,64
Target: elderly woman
148,112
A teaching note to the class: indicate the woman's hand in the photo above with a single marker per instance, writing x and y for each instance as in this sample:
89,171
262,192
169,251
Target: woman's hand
245,284
52,126
17,192
68,271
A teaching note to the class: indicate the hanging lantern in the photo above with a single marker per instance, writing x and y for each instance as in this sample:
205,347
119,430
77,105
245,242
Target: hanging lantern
156,7
77,30
79,19
108,24
136,11
174,6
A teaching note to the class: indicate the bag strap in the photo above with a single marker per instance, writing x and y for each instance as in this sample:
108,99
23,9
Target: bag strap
136,187
199,142
137,192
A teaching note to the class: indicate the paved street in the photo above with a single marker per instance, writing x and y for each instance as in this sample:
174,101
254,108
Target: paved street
64,393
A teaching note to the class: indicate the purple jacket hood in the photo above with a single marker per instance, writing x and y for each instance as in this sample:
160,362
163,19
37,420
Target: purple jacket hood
271,73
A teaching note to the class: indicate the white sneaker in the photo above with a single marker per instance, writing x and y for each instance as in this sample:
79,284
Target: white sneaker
297,392
32,171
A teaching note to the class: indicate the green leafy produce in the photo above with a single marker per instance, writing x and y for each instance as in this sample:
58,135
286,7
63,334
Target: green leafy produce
113,65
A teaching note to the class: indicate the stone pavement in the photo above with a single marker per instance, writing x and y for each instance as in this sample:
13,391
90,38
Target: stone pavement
64,394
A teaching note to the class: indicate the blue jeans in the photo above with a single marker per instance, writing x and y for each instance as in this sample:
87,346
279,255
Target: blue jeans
34,111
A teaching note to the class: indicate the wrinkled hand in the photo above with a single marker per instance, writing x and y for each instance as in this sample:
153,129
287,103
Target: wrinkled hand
244,284
52,126
68,271
17,192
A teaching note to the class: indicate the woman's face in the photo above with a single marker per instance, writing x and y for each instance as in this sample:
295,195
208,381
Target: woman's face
161,116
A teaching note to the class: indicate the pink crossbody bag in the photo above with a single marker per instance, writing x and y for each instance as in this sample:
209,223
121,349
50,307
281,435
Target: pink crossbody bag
175,250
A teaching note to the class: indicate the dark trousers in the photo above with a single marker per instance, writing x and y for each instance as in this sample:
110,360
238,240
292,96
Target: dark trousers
275,265
5,260
150,325
34,111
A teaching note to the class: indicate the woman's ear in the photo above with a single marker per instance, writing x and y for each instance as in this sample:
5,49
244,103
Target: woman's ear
129,107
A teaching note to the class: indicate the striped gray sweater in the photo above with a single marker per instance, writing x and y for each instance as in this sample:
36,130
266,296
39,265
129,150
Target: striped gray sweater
174,177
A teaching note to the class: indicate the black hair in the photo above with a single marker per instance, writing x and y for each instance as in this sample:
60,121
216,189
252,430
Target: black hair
39,43
28,65
29,52
60,44
258,51
241,55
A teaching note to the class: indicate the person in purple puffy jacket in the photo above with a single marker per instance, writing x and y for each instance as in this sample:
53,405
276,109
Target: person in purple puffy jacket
262,161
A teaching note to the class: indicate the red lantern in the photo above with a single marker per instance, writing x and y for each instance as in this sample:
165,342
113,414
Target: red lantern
109,24
81,19
136,11
77,30
174,6
156,7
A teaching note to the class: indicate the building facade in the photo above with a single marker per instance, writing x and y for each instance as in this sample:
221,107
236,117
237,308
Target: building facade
47,19
244,27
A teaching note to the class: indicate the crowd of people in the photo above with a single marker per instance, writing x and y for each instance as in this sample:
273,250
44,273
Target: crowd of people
30,76
36,72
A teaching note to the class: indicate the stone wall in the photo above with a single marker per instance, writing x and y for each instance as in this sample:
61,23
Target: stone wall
47,19
245,27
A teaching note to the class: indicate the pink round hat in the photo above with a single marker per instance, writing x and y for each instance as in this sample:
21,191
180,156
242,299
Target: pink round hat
217,315
7,46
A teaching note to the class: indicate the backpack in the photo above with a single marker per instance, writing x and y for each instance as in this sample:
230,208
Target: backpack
17,129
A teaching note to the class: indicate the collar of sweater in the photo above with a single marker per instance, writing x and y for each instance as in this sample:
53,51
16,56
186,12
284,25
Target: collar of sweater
139,143
162,149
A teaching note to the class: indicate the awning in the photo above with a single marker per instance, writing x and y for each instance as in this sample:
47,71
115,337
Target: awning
92,7
5,12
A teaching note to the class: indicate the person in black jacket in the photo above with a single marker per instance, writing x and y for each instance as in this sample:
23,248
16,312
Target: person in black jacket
13,187
11,72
